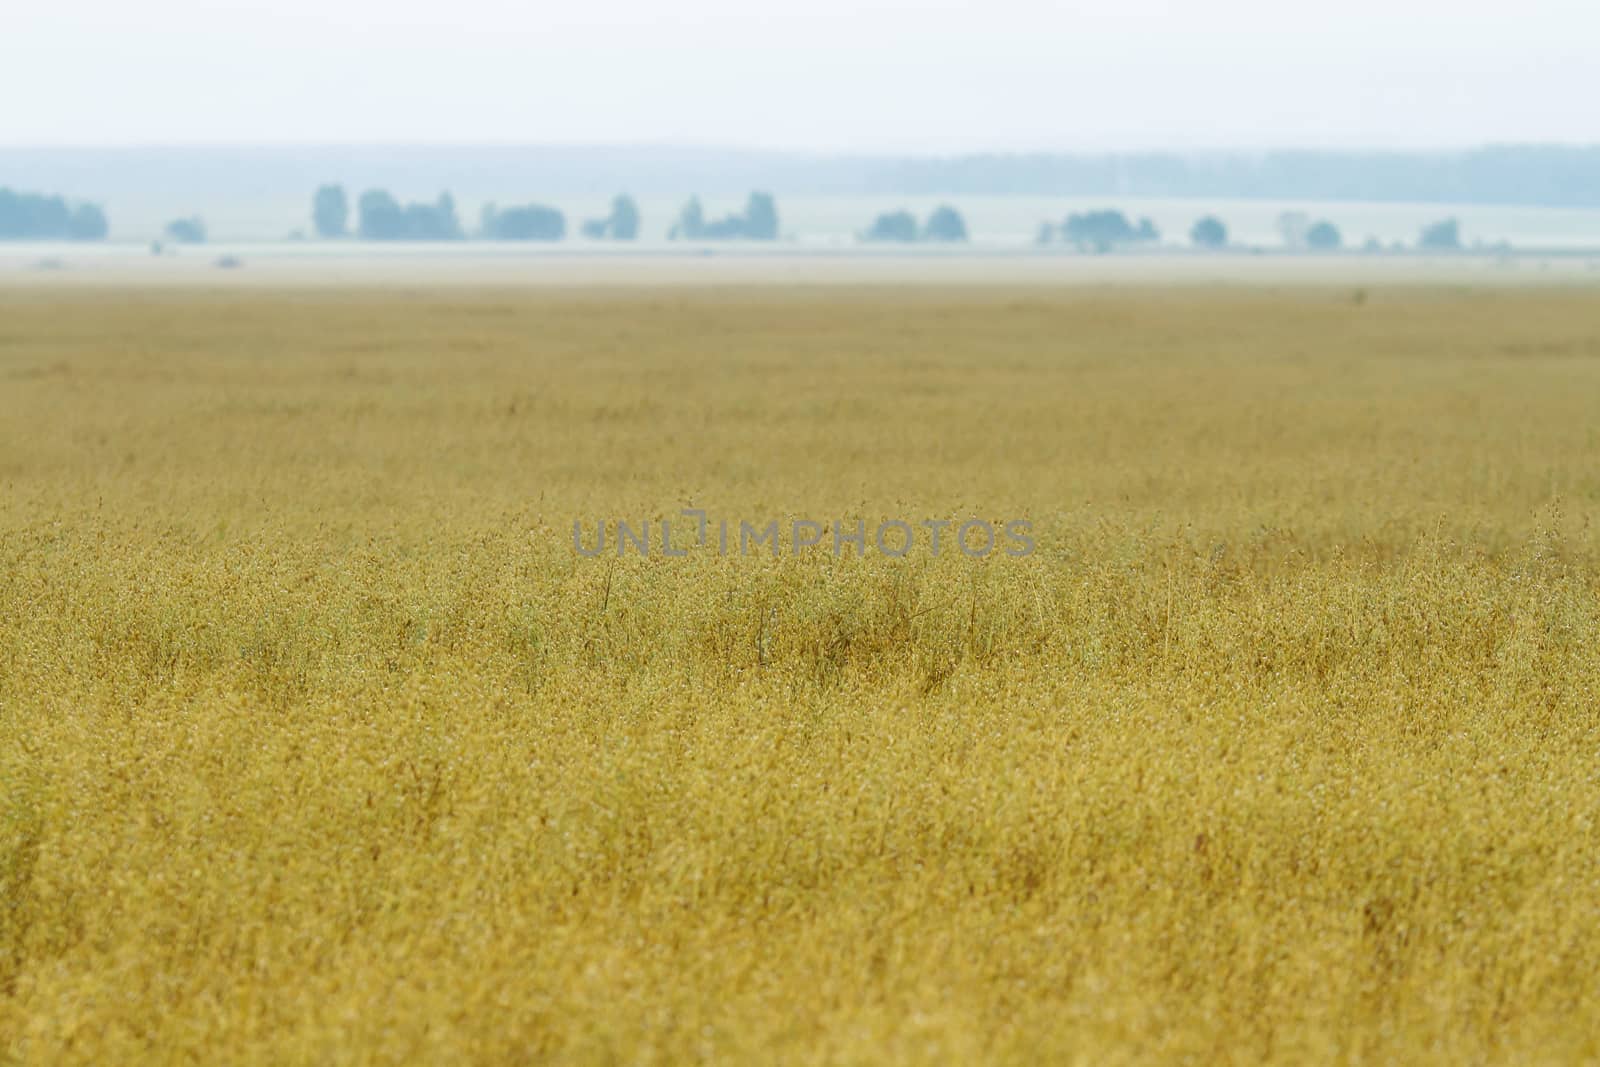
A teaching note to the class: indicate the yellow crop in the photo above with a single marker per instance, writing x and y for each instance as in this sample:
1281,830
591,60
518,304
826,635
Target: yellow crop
319,743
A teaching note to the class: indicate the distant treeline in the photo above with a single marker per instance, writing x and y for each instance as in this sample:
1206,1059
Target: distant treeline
1109,230
944,224
1509,174
380,217
758,222
1512,174
32,217
1099,231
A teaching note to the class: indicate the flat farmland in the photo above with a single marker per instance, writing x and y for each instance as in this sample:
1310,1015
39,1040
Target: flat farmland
1274,736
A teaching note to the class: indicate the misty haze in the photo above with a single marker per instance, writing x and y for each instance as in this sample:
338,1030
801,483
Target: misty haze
846,532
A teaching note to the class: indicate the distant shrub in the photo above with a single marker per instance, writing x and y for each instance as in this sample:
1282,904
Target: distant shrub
187,231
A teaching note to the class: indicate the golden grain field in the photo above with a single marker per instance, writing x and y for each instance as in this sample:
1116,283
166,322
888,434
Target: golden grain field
319,743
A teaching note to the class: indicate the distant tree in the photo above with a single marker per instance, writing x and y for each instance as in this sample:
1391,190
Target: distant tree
435,223
187,231
691,222
759,222
624,219
945,224
1324,237
1100,231
1293,227
1442,236
893,226
330,212
1209,232
88,223
1046,234
30,216
382,218
534,222
761,217
621,225
1147,232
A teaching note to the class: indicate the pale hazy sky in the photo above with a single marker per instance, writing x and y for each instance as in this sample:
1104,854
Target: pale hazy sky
856,75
